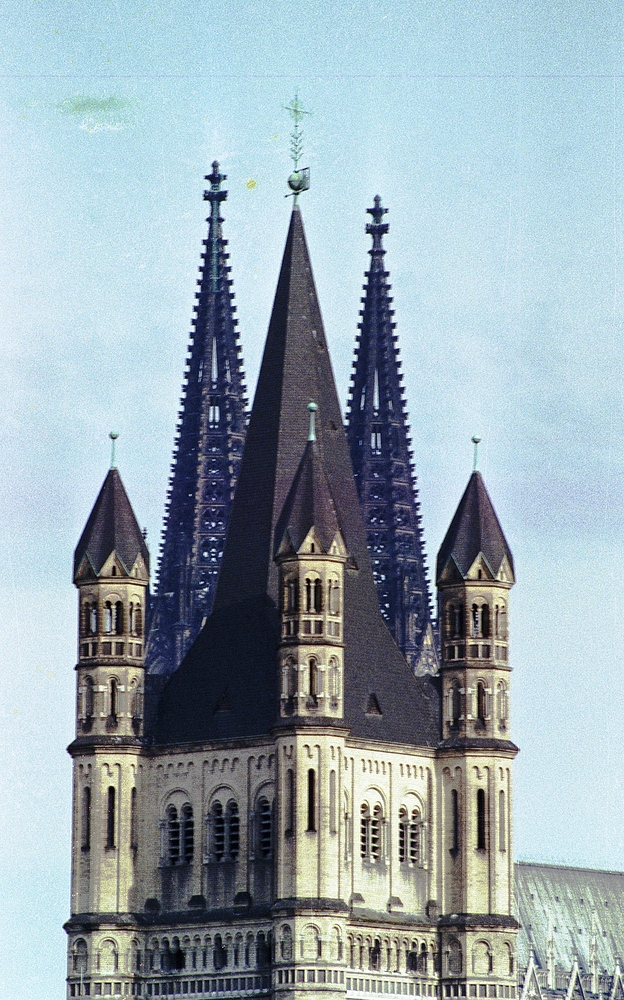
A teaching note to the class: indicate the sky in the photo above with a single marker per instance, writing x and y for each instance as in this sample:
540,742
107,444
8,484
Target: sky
493,133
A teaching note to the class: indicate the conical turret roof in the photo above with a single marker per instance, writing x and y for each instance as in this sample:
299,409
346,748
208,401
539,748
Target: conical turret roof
475,529
309,504
234,661
111,527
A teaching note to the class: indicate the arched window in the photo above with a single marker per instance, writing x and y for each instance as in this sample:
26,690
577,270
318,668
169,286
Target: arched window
291,677
456,706
502,822
318,596
138,620
80,957
173,835
311,800
501,707
313,680
265,829
454,820
131,618
333,824
422,958
110,817
93,619
485,621
233,823
134,840
375,834
108,957
86,818
112,699
119,618
474,621
454,958
218,831
291,596
501,621
286,944
309,594
364,831
88,689
290,801
481,820
108,617
375,955
414,838
333,597
187,833
219,956
481,702
403,834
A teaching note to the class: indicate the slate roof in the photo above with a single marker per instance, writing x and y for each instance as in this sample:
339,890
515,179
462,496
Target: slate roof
236,653
111,527
579,903
474,529
309,504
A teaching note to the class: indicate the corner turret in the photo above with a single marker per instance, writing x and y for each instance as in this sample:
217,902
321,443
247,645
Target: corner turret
111,572
311,555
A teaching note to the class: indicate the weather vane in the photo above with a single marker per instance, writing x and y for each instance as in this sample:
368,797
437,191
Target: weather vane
299,180
476,442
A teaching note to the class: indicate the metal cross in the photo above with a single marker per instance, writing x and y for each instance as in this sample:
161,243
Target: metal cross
296,139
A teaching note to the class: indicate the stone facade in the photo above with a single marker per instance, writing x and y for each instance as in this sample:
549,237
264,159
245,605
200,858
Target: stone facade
303,816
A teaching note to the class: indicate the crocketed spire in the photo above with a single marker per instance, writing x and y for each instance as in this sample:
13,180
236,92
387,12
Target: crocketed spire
206,459
378,435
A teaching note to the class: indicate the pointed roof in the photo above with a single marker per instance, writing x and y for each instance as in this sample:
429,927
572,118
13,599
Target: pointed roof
206,459
111,527
475,529
309,504
238,647
379,441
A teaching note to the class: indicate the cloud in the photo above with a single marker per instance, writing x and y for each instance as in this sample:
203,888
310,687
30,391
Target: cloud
98,114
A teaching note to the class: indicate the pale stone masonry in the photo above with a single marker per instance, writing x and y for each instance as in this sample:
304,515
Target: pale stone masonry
302,816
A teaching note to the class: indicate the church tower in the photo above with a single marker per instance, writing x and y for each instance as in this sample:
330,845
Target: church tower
379,443
475,573
207,454
111,572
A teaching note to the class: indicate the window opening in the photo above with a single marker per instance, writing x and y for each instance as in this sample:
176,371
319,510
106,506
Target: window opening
502,832
265,831
290,801
113,699
311,800
481,831
481,706
233,830
414,838
188,834
86,818
173,835
403,834
110,818
119,622
375,834
218,831
134,840
454,820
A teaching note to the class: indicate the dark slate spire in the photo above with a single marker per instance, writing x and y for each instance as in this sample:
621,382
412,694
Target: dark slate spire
234,661
206,459
378,435
475,530
112,527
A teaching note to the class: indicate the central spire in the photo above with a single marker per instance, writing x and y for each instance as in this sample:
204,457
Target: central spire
235,659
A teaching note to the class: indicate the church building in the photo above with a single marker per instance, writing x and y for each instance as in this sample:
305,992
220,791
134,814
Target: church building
304,790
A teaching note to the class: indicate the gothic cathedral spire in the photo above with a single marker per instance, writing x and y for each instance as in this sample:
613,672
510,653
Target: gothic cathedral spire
206,459
379,442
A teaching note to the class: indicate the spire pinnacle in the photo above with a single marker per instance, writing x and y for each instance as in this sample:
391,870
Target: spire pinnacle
215,196
377,228
312,408
299,180
113,436
476,442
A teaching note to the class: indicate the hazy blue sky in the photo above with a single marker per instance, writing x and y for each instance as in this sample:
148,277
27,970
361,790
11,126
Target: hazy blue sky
493,132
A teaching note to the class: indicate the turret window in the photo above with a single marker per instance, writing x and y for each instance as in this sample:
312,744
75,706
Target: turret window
500,621
86,818
333,597
454,820
88,699
456,703
502,822
502,707
480,621
113,698
481,703
311,800
291,597
119,618
313,596
455,621
108,617
110,817
481,820
313,682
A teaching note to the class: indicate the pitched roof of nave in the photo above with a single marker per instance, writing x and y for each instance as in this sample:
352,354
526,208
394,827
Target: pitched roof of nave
577,909
111,527
227,685
475,529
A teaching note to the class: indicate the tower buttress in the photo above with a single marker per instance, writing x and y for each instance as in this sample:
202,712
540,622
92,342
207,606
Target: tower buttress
379,442
207,453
